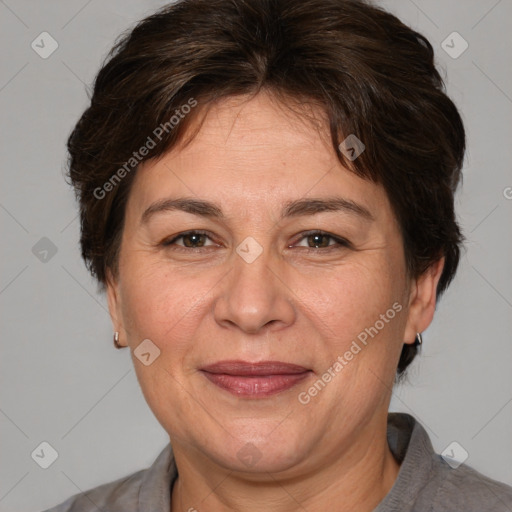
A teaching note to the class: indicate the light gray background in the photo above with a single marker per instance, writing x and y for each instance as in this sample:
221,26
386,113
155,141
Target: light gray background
62,380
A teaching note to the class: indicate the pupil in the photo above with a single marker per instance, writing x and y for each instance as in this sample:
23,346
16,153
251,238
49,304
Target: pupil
192,240
316,240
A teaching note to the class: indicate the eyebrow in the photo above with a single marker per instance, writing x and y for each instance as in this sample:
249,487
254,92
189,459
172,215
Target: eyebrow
305,206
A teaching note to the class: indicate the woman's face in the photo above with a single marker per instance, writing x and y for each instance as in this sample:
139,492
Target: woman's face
272,276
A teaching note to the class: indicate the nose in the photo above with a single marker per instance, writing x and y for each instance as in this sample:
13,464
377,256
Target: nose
254,297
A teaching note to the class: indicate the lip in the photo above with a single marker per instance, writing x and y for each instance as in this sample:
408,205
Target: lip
255,380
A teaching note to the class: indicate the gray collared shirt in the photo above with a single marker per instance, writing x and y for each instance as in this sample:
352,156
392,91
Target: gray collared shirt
425,482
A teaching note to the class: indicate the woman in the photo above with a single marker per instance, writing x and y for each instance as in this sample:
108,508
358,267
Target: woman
266,191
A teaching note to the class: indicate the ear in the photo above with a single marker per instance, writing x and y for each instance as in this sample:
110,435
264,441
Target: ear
422,301
114,306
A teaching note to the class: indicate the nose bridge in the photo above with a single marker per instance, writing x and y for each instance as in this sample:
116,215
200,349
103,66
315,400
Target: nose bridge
253,297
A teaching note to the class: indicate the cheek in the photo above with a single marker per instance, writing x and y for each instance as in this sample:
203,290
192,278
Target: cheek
164,308
360,315
160,305
354,298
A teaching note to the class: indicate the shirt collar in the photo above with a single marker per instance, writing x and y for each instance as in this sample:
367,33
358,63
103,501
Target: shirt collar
155,491
410,445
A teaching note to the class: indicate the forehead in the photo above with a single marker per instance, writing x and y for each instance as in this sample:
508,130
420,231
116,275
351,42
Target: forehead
252,152
239,119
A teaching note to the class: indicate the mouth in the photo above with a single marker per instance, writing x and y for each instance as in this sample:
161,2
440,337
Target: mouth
255,380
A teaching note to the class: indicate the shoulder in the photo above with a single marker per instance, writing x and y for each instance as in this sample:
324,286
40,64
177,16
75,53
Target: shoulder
121,494
430,482
143,490
464,488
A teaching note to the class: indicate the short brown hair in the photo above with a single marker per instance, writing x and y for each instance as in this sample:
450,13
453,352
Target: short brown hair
373,76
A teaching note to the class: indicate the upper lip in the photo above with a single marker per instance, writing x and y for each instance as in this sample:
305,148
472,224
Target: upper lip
261,368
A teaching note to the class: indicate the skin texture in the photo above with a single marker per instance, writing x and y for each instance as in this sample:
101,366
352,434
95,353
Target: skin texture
296,303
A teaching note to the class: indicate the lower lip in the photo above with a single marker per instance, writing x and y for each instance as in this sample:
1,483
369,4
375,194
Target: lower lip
258,386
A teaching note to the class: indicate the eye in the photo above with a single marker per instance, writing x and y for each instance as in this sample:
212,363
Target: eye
190,240
314,240
321,240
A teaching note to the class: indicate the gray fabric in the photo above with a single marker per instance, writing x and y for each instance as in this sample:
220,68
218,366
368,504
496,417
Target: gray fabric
425,483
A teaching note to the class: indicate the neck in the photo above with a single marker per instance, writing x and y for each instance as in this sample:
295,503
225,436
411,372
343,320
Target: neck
358,478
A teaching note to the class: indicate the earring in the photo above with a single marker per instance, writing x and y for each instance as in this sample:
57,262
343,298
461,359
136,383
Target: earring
116,340
419,340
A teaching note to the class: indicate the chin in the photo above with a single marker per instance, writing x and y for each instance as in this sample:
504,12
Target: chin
258,447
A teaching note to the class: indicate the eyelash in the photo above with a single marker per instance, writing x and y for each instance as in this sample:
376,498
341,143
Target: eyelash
340,242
